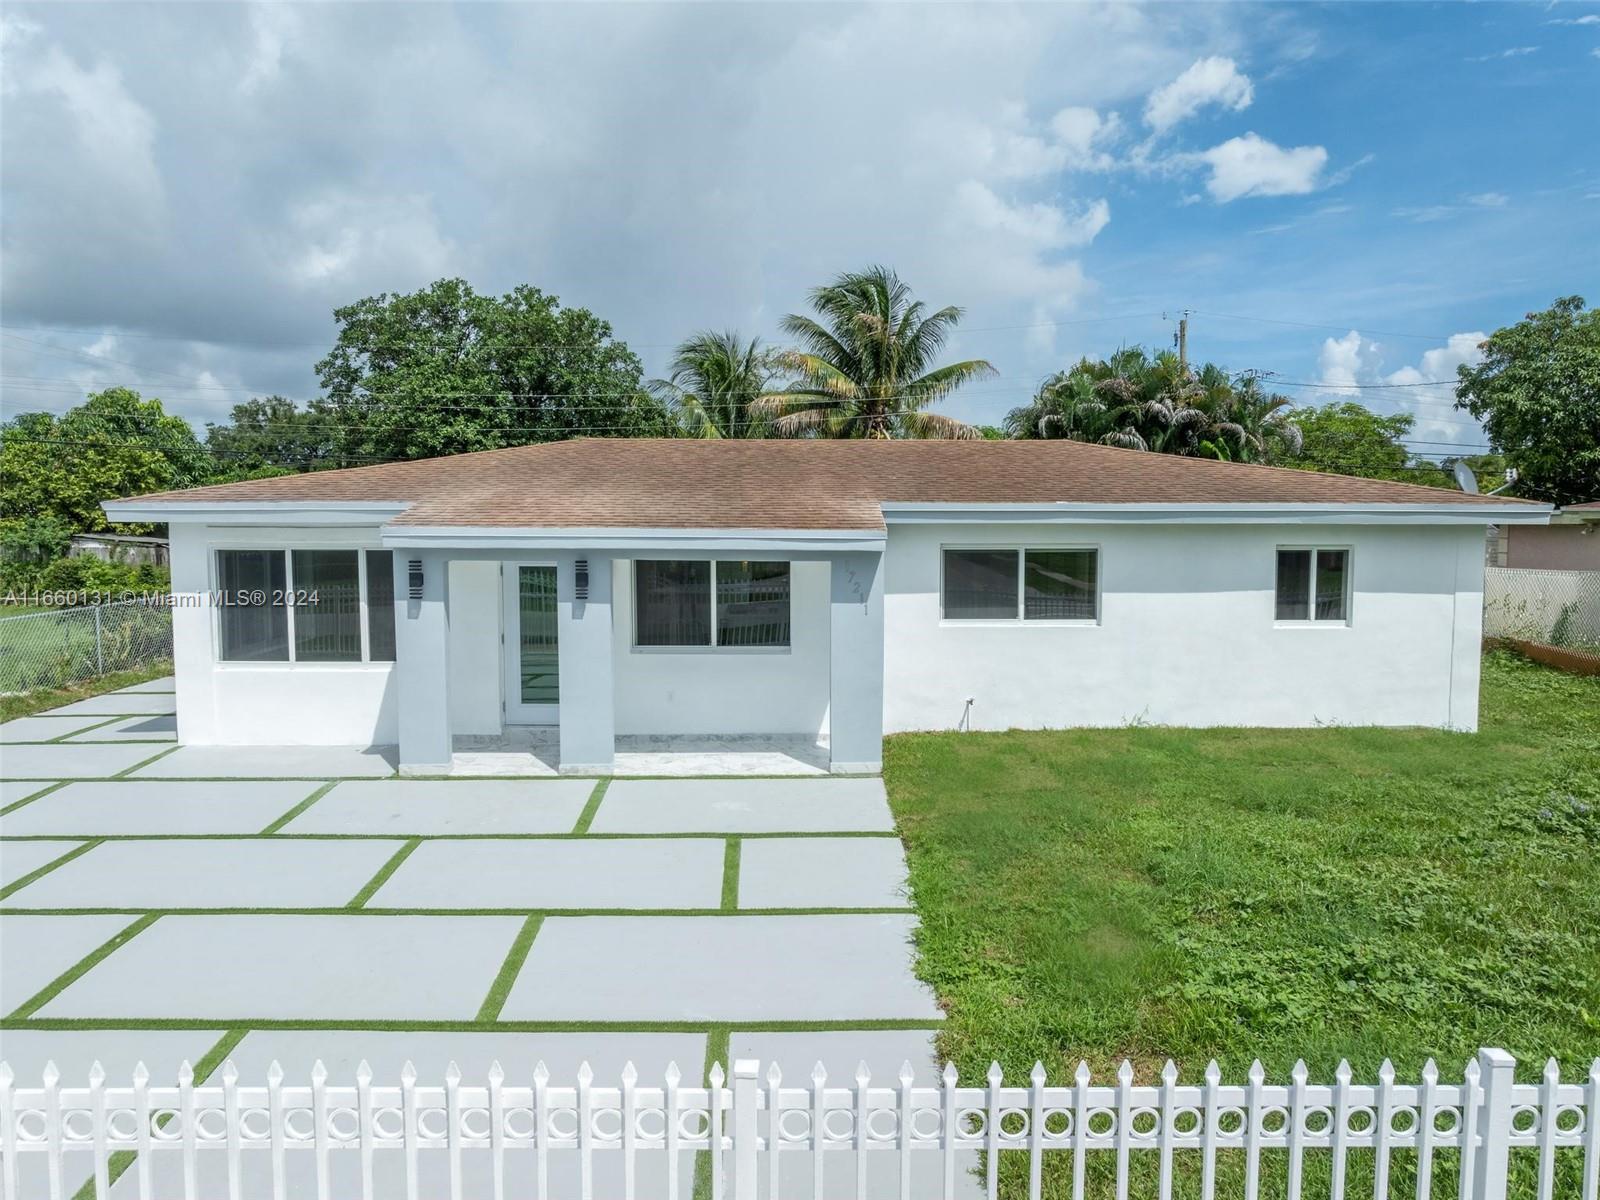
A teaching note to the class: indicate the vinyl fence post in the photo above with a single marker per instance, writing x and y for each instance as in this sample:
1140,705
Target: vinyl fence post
746,1088
99,645
1492,1155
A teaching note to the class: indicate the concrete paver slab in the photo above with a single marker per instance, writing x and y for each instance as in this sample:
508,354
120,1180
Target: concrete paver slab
74,1052
13,790
34,950
44,729
222,873
432,1053
858,872
148,806
740,968
273,762
160,728
839,1052
744,806
244,968
428,807
61,761
23,858
120,704
559,873
165,684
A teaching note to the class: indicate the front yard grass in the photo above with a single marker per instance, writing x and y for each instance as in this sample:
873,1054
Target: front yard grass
22,704
1235,893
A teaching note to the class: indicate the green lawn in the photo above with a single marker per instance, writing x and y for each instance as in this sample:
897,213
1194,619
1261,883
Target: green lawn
1150,892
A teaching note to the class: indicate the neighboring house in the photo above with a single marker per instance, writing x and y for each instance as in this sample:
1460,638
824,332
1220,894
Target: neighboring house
1571,542
119,547
845,589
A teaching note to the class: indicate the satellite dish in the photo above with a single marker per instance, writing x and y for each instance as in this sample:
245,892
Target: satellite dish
1465,479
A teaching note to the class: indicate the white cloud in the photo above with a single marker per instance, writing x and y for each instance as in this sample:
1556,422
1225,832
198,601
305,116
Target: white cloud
1252,166
1488,199
1586,19
1082,133
1215,80
272,25
1511,52
1353,366
1045,226
350,240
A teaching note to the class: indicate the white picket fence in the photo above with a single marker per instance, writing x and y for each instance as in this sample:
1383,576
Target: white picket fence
758,1121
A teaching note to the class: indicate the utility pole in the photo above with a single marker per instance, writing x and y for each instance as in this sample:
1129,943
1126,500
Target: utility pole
1183,340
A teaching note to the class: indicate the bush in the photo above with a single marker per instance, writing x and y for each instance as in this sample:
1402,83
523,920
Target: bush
78,580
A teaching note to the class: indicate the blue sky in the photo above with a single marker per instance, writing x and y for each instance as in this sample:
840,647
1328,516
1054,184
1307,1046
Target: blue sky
1345,196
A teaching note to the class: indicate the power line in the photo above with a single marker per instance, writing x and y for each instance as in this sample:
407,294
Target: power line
1422,337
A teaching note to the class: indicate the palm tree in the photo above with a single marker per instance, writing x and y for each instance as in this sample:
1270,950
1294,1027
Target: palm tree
865,369
715,381
1140,402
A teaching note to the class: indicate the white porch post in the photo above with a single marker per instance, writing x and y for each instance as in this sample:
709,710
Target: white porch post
588,717
422,660
856,664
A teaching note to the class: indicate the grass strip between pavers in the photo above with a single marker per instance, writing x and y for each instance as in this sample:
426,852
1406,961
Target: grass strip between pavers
730,875
590,808
126,771
382,877
489,1010
717,1038
71,975
31,797
19,884
121,1160
350,911
400,835
90,728
279,1024
317,794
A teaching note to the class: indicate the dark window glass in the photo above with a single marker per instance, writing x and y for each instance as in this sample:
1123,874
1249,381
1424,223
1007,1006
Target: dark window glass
752,603
253,620
380,605
327,610
1331,584
672,603
1294,585
980,585
1059,585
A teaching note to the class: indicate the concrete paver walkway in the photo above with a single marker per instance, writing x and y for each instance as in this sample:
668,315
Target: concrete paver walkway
650,919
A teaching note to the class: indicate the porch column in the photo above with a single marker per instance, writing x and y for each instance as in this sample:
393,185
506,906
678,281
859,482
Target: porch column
583,633
422,658
855,701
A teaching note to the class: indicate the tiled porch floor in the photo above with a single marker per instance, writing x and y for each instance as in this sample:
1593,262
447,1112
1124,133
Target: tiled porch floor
535,751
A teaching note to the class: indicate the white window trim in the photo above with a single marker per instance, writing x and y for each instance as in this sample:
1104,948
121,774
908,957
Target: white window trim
711,647
1021,549
1312,621
292,663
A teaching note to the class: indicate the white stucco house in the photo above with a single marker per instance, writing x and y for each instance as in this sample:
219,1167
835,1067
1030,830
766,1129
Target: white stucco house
836,590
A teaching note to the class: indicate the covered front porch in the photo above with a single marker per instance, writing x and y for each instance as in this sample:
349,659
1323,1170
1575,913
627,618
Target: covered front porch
673,655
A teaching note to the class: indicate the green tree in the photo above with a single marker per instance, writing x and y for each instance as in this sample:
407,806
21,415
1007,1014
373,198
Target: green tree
114,444
445,370
1537,392
715,381
268,432
866,368
1344,438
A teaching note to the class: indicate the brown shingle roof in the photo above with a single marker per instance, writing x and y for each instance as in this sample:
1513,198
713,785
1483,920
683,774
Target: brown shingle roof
689,484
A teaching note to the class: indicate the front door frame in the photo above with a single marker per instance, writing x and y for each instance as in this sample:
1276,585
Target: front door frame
517,712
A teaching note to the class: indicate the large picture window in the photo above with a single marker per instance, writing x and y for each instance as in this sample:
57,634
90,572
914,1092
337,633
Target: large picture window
1313,584
696,602
1021,584
310,606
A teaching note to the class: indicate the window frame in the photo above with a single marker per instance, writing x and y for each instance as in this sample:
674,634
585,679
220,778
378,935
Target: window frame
1021,550
713,646
1311,620
215,550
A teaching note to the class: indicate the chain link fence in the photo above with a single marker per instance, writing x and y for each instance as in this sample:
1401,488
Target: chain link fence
65,645
1558,609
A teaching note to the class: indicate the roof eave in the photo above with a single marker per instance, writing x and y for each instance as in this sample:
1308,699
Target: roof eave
255,512
1322,513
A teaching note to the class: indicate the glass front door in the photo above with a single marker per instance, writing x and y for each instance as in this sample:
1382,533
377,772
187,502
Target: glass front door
533,662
